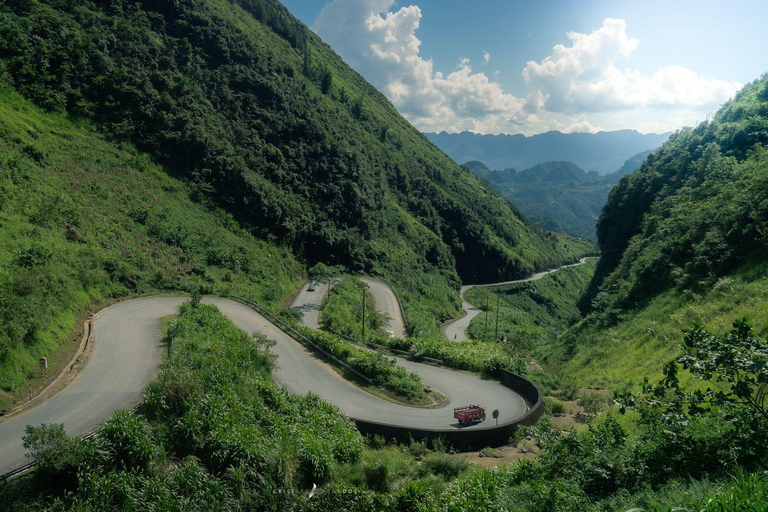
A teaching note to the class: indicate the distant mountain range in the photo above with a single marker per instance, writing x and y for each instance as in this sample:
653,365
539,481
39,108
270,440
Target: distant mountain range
603,152
558,196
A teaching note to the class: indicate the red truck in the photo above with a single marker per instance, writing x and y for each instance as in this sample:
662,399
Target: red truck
469,413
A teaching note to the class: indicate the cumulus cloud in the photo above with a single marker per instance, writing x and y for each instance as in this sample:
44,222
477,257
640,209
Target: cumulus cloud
383,47
585,78
571,88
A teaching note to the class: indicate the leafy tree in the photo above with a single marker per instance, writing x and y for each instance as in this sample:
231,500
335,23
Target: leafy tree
738,362
592,403
327,274
59,457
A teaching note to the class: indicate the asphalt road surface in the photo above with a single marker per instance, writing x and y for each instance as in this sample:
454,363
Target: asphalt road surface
126,354
385,301
455,330
308,303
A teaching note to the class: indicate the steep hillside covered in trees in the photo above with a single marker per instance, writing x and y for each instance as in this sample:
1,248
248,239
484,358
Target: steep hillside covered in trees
243,100
694,211
558,196
683,240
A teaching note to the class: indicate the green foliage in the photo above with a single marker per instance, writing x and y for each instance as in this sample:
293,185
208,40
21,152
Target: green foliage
476,356
447,466
554,406
58,456
135,231
379,369
592,403
218,435
693,212
343,310
128,441
249,106
643,340
737,362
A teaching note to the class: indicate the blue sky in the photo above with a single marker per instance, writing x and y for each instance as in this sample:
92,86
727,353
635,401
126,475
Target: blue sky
502,66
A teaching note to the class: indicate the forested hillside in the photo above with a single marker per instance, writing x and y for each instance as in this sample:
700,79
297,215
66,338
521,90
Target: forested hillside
682,240
245,102
694,211
277,153
83,221
558,196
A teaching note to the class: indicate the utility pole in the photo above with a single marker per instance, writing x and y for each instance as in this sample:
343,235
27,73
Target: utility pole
363,290
497,319
485,332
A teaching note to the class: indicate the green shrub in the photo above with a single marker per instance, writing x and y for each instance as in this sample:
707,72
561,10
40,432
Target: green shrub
554,406
128,441
378,476
474,355
447,466
382,371
60,458
592,403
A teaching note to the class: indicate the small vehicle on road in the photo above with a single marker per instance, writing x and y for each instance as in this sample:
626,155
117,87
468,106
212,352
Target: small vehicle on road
311,287
469,414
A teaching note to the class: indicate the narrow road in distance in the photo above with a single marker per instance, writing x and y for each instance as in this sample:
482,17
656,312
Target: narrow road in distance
456,330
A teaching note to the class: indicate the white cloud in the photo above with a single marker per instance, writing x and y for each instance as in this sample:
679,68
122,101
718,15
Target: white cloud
383,47
585,78
571,89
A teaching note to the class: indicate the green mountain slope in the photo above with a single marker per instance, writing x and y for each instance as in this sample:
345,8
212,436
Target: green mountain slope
245,103
267,120
683,240
696,209
83,220
558,196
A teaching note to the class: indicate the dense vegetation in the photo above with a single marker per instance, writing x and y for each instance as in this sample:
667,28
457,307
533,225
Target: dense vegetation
558,196
530,314
277,152
694,211
215,433
682,240
264,128
395,379
245,102
677,448
83,220
474,356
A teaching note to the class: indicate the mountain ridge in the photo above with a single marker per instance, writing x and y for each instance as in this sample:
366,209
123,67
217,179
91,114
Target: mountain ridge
603,152
559,196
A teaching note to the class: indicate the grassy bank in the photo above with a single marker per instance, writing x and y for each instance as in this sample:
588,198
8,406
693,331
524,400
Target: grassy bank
84,220
640,342
216,433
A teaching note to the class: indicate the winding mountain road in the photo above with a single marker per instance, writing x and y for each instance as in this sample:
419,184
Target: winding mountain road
456,330
127,353
385,301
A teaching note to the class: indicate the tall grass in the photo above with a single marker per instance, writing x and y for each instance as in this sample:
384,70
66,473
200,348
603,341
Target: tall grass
644,340
84,220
